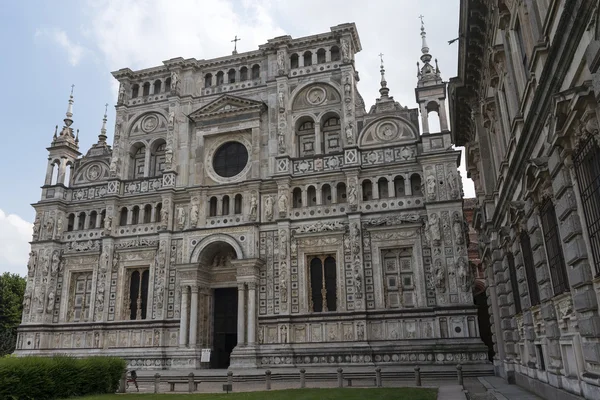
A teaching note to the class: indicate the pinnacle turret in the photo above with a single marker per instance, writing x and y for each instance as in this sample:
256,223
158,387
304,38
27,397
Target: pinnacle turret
427,74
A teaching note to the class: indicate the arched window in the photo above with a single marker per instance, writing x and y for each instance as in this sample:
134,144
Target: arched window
382,188
135,215
320,56
138,161
70,222
157,86
323,283
341,192
311,196
158,212
135,91
81,222
102,218
367,190
294,61
54,176
158,158
225,205
326,194
212,212
297,198
244,74
92,221
331,135
167,84
399,188
220,78
147,213
146,89
415,185
231,76
306,137
335,53
237,206
208,80
307,58
68,174
138,294
255,72
532,285
123,217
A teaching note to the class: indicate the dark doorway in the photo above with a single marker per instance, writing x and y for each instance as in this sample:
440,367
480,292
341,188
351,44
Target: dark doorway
483,319
225,326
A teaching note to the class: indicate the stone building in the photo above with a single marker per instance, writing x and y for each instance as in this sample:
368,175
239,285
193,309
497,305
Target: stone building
525,105
251,205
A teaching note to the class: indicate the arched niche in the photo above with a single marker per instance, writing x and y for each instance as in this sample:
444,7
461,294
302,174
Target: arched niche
91,173
387,131
148,123
315,95
208,247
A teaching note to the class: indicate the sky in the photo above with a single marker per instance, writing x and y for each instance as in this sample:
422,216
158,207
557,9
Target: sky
49,46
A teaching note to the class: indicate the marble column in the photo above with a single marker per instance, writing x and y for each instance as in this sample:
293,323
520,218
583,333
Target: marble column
251,313
183,326
194,316
241,314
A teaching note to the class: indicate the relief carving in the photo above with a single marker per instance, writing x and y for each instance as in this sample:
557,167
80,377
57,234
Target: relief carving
457,227
430,187
269,208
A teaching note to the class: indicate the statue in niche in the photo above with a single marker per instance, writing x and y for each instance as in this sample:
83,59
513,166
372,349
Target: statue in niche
36,227
350,133
347,88
107,225
50,305
55,267
281,98
59,227
115,261
164,218
283,282
360,331
96,340
180,218
434,229
113,168
345,51
457,227
281,62
282,204
45,265
159,295
282,243
27,301
171,120
284,334
355,238
430,187
281,142
121,97
357,277
352,195
174,81
168,158
49,226
269,208
253,207
453,184
463,274
194,213
31,264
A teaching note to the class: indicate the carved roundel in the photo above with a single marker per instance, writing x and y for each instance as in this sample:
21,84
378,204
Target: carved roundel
387,131
149,123
93,172
316,96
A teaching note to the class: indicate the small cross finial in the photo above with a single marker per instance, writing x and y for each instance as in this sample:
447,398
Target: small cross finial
72,87
105,108
235,40
421,18
381,57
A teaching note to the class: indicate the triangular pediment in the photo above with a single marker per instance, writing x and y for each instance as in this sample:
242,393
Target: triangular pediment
227,104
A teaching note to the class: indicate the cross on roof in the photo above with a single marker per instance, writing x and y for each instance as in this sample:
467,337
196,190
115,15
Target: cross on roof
235,40
72,87
381,57
421,18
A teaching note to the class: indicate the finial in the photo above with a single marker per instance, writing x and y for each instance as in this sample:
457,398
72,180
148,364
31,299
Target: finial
384,89
424,47
437,69
235,40
77,137
68,120
55,131
102,135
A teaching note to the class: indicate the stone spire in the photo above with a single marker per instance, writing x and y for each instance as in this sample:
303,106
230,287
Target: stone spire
384,90
427,74
69,120
102,135
66,135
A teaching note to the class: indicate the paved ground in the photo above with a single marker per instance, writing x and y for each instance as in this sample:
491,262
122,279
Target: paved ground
503,391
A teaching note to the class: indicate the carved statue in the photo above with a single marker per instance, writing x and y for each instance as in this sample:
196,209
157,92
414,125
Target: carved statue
164,218
36,227
457,227
113,168
253,206
115,261
180,218
284,334
50,305
430,187
434,229
269,208
159,295
281,62
463,274
352,194
345,50
27,302
171,120
350,133
453,183
59,227
283,243
283,282
281,97
281,142
360,331
355,238
168,157
174,81
100,299
194,215
282,203
121,98
55,267
45,265
49,226
31,264
107,225
357,277
440,279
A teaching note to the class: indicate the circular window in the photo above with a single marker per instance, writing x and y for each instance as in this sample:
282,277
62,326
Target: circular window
230,159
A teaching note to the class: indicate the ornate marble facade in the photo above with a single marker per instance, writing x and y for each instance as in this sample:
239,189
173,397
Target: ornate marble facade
261,174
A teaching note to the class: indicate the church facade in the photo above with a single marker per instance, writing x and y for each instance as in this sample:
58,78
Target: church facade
251,205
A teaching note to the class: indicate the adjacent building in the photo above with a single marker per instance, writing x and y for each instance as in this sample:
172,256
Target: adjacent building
525,106
251,205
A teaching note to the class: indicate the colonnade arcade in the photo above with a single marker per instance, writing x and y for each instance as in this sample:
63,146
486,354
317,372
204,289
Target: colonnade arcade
218,299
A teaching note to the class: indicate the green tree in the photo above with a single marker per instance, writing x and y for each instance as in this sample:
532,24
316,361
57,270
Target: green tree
12,289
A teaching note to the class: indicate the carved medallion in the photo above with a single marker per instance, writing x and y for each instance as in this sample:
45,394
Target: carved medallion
387,131
316,96
149,123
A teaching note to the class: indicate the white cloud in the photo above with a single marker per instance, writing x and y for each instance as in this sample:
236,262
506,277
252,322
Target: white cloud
15,234
75,51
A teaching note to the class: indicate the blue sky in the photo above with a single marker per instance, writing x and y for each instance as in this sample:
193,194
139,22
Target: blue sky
49,45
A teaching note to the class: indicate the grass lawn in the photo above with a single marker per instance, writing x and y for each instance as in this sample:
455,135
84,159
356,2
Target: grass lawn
292,394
